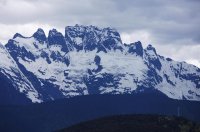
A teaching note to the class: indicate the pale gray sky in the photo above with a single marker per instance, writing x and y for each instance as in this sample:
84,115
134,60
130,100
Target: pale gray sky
172,26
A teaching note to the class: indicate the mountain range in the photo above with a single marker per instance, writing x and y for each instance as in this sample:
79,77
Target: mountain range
88,60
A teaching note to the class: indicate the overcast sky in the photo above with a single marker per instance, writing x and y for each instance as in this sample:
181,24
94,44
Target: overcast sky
171,26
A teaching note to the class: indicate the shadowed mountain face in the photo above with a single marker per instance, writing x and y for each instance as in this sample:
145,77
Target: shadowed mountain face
135,123
88,60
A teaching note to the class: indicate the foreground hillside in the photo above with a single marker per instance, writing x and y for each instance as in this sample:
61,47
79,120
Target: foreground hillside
136,123
55,115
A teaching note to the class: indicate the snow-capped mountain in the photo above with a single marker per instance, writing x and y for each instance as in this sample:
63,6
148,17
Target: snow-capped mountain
90,60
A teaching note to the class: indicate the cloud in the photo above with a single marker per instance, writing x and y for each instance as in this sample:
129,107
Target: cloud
187,53
170,25
138,35
194,62
8,31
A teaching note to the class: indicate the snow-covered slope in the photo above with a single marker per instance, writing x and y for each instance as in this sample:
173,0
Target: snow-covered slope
180,80
10,71
90,60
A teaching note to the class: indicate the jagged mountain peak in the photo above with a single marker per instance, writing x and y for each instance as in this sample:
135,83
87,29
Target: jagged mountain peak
40,31
57,38
151,57
135,48
90,38
151,48
78,37
18,35
151,52
40,35
54,32
80,30
78,27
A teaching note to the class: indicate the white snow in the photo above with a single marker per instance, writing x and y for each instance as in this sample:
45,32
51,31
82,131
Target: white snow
78,40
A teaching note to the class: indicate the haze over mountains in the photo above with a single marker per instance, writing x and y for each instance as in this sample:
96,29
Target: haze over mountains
88,60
